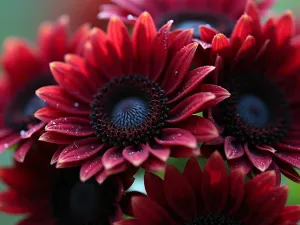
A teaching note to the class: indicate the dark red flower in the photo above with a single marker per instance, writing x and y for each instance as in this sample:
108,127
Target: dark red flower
48,196
212,197
27,69
128,101
220,15
259,124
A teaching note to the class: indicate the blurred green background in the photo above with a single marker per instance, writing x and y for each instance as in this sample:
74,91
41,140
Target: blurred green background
22,17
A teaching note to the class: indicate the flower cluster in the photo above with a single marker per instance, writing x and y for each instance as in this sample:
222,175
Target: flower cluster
167,78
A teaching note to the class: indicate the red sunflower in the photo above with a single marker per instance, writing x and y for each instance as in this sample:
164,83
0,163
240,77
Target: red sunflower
48,196
128,101
260,65
27,69
220,15
212,197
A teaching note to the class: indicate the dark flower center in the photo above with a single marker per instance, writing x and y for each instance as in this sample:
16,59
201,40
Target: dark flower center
257,112
77,203
20,112
213,220
187,20
128,110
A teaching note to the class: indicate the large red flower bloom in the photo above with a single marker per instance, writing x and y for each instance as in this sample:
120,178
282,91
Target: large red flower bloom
218,14
27,69
128,101
212,197
48,196
259,124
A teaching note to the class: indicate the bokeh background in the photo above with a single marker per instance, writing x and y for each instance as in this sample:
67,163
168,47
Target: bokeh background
22,17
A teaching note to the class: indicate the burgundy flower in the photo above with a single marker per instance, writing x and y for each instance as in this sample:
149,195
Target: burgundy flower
212,197
220,15
48,196
259,124
27,69
128,101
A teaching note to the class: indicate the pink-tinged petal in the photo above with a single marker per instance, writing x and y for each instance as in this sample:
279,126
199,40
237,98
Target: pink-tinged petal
220,93
91,167
72,126
150,212
215,184
193,174
119,35
179,194
80,150
178,68
34,129
179,39
5,132
183,152
56,155
236,191
176,137
159,51
203,129
266,148
288,171
207,33
47,114
191,81
21,151
9,141
154,186
136,155
143,33
242,29
260,159
189,106
112,158
292,158
233,149
240,163
285,28
274,167
55,138
159,151
154,164
73,81
57,98
121,168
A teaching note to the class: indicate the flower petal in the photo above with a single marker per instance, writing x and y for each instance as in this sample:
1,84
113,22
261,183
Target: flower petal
22,151
136,155
112,157
90,168
260,159
233,149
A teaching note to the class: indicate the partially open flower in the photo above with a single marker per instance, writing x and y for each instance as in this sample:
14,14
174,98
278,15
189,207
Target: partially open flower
212,197
25,70
128,101
259,124
48,196
220,15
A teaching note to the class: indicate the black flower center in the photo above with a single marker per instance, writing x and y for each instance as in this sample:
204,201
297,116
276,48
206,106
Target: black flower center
187,20
128,110
257,111
77,203
213,220
20,112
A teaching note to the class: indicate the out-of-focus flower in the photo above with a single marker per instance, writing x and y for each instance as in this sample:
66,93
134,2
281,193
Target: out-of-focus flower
259,124
26,69
221,15
128,101
49,196
212,197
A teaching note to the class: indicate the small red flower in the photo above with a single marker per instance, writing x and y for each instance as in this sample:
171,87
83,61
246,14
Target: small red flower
220,15
48,196
128,101
27,69
212,197
259,65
